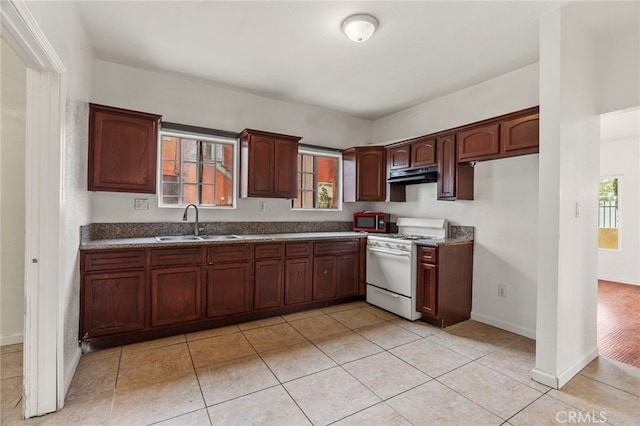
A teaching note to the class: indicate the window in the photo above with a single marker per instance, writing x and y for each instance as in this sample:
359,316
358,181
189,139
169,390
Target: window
197,169
608,214
319,180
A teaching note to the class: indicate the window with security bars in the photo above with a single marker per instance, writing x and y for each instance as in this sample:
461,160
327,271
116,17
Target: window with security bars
319,177
197,170
608,215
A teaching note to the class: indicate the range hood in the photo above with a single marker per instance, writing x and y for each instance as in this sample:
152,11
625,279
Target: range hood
414,176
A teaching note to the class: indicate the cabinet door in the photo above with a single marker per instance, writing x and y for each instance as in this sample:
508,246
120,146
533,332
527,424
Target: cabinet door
176,295
447,165
261,166
297,280
478,143
520,136
122,150
347,275
286,169
113,302
371,179
399,157
229,288
268,284
423,153
427,291
324,278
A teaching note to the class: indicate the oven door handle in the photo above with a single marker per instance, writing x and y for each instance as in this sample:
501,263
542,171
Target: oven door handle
386,293
390,252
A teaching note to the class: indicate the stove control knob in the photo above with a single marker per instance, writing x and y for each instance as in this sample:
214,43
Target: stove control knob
400,246
388,245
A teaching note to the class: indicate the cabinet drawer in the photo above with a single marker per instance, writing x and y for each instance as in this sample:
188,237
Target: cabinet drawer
110,260
428,254
335,247
181,256
230,252
272,250
298,249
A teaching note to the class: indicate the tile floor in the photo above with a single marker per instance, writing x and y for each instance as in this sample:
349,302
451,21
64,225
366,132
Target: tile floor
350,364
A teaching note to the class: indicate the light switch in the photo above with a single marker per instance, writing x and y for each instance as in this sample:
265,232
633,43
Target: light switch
577,210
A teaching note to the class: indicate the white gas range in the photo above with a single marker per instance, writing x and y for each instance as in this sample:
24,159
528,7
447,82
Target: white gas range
392,264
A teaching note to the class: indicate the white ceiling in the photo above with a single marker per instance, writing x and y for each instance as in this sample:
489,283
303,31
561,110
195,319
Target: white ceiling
296,50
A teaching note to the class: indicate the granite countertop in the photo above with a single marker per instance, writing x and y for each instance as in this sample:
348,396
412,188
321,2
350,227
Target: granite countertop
144,242
444,241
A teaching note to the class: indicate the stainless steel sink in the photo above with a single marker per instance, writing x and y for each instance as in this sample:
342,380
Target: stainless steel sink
221,237
177,238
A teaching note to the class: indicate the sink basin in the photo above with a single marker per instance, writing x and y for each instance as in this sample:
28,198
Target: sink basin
221,237
178,238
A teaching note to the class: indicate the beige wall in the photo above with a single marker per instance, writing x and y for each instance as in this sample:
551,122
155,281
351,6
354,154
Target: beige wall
12,200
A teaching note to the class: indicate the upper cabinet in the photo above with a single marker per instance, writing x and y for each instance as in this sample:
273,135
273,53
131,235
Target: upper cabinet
365,177
122,150
506,136
268,164
420,152
455,181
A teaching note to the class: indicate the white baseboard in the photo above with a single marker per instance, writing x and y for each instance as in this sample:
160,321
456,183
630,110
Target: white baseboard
557,382
70,371
618,280
526,332
11,339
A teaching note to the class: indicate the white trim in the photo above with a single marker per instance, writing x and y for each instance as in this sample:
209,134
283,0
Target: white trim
618,280
522,331
557,382
68,374
42,355
11,339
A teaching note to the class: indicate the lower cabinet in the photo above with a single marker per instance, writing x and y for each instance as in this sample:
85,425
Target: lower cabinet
229,288
335,270
113,302
444,283
176,295
133,295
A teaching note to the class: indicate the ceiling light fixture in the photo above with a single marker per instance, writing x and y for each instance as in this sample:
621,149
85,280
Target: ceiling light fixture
360,27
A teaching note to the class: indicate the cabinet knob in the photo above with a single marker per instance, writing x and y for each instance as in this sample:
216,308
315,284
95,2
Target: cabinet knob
325,272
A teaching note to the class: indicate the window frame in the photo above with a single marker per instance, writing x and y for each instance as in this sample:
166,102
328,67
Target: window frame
234,142
304,150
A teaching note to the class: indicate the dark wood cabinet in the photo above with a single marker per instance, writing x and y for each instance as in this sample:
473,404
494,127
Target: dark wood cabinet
113,302
269,276
297,273
364,174
444,283
455,181
399,157
122,150
268,164
423,152
131,295
478,143
520,135
176,285
229,279
336,269
176,295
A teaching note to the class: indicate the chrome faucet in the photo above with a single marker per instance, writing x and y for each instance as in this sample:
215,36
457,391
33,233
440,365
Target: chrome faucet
184,217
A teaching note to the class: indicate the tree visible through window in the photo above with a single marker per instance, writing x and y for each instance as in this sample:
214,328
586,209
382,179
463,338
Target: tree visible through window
196,170
318,181
608,214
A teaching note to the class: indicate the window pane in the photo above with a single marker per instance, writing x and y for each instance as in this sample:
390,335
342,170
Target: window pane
208,195
327,188
608,214
189,193
224,187
170,148
318,182
189,150
208,174
189,172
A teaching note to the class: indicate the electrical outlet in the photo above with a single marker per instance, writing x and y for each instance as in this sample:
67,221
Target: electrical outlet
141,204
263,206
502,290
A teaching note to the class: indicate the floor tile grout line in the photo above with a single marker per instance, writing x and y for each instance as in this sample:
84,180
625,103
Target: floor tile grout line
195,372
527,406
637,395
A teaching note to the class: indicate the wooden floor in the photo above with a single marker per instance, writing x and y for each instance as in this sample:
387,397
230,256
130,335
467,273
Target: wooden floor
619,322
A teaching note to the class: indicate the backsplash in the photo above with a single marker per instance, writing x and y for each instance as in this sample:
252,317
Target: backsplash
109,231
461,232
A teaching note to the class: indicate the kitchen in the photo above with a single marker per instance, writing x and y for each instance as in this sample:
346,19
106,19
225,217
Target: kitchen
501,209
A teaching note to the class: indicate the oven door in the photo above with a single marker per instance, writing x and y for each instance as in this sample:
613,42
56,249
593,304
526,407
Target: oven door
390,269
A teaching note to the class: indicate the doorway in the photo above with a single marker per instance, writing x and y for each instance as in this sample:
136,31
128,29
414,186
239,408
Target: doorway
619,246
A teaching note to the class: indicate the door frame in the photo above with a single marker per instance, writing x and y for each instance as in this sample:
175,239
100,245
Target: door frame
43,380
